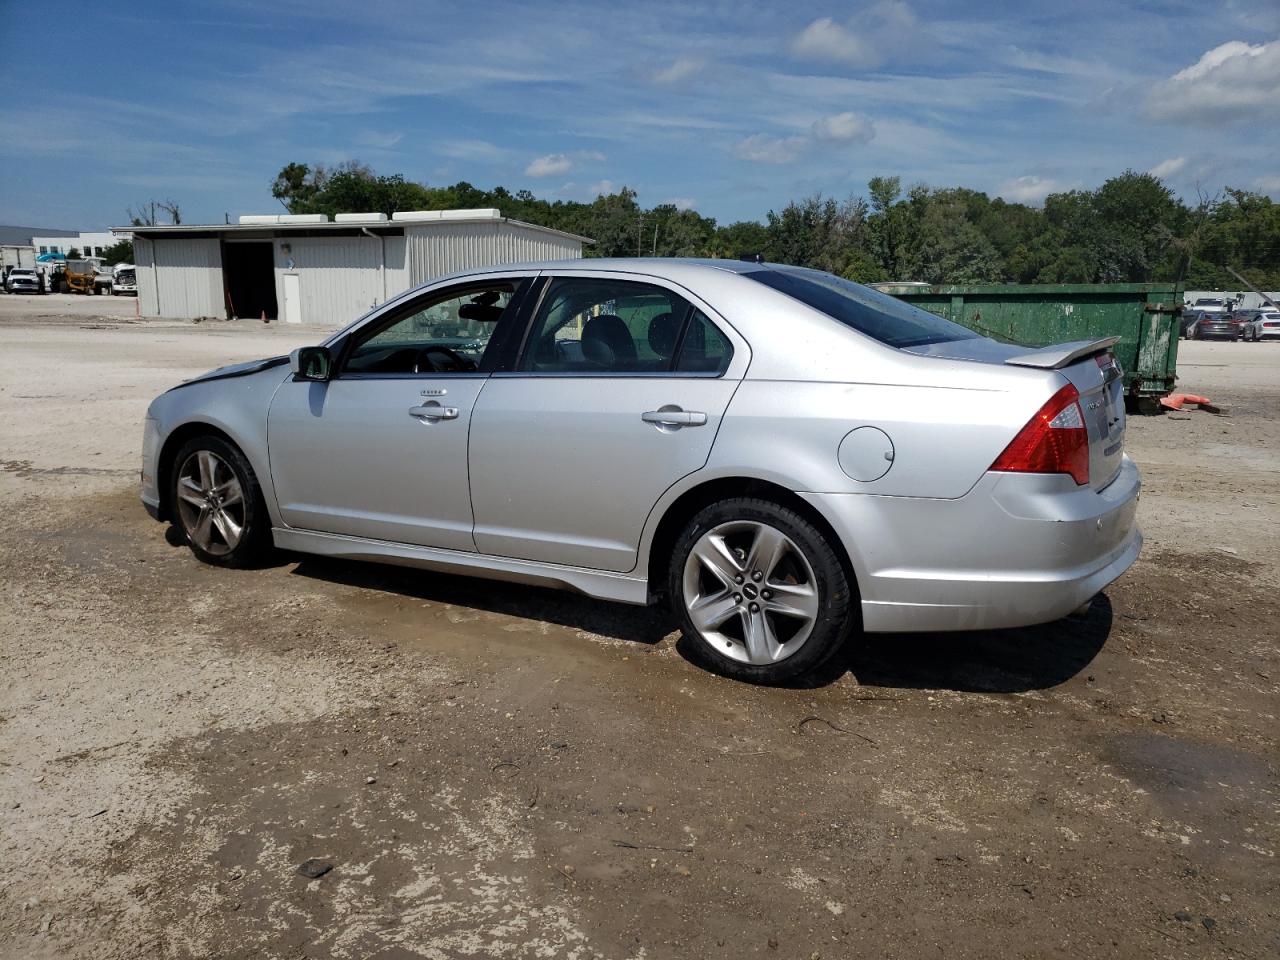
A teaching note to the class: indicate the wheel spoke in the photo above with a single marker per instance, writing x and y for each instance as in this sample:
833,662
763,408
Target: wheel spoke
767,549
229,529
231,493
203,532
208,468
798,600
707,613
762,645
190,491
716,556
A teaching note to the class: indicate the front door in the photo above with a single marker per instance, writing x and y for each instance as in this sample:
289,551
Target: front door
380,450
618,394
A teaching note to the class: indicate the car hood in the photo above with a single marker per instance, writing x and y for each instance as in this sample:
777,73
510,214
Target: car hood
235,370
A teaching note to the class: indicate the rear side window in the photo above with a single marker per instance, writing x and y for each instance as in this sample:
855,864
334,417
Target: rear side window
606,326
875,314
705,349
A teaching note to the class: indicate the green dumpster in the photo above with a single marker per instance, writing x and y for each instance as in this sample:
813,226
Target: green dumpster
1145,316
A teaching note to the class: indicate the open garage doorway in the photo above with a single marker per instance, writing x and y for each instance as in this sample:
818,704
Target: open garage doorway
248,272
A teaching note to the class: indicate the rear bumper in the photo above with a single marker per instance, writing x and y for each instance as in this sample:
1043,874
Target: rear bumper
1018,549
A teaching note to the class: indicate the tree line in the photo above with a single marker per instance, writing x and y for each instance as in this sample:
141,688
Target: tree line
1132,228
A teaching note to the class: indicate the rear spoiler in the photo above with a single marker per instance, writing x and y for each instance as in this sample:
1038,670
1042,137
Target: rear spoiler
1063,354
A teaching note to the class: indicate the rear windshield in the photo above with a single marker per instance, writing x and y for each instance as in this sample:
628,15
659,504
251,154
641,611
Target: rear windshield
878,315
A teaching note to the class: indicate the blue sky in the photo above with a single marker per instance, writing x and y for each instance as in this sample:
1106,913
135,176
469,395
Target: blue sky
726,107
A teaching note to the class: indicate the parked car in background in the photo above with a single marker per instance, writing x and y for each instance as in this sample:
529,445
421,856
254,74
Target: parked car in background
22,280
1263,325
1210,305
124,280
1217,326
785,456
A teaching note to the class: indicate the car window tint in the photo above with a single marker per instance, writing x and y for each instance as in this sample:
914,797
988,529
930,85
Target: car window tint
705,349
588,325
445,335
878,315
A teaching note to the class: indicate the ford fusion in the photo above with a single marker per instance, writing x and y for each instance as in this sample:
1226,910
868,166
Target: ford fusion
785,456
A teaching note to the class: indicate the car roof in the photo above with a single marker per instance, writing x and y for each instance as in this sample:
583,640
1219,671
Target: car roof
656,266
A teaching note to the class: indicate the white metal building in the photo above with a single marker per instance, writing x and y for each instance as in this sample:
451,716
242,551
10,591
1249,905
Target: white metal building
304,268
88,244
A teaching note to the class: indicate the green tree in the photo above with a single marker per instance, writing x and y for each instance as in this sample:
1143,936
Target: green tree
119,252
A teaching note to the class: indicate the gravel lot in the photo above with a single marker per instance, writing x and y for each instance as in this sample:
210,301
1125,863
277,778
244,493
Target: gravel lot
495,770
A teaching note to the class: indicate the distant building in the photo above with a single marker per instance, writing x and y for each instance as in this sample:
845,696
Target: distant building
305,268
88,244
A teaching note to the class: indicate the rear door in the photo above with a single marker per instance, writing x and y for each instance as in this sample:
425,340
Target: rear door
617,393
380,450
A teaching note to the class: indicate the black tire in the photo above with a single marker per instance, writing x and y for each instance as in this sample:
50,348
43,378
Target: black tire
254,544
838,606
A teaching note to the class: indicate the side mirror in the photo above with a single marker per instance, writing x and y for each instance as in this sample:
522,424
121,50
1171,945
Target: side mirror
311,363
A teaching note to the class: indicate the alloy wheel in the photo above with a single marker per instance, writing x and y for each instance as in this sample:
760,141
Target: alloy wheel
750,592
211,503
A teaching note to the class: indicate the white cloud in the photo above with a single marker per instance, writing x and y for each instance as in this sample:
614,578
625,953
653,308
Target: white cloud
468,149
679,70
556,164
1232,83
1269,185
762,148
551,165
824,39
600,187
847,127
378,139
867,40
1167,168
681,203
1029,189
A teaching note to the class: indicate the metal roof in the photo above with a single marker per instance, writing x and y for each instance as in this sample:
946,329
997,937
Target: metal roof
377,226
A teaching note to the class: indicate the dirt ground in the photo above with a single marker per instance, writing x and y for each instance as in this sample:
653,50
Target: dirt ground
500,771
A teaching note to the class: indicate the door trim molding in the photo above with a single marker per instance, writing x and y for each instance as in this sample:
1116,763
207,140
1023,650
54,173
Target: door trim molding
602,584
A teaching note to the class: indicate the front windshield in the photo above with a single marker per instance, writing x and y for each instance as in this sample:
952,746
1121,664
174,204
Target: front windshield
878,315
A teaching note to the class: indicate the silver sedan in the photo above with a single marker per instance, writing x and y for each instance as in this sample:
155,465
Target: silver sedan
786,457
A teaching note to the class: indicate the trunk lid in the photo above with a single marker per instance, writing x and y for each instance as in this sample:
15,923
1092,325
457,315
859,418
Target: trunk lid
1092,369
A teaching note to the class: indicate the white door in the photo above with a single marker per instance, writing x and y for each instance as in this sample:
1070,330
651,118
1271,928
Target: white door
292,298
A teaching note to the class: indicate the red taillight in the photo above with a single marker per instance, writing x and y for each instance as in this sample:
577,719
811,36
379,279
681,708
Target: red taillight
1054,441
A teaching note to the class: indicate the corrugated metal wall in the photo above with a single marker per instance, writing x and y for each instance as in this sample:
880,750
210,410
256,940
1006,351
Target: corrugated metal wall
398,279
144,262
179,277
434,250
338,277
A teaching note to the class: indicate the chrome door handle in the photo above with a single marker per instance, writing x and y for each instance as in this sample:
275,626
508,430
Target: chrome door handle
675,418
433,411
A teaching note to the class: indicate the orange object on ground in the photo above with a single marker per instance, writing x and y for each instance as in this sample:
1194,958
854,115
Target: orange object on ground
1175,401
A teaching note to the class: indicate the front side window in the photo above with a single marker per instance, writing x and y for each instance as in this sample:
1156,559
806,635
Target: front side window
606,326
447,334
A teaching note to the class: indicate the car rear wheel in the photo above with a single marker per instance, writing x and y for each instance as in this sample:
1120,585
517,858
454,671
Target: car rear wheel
760,592
218,505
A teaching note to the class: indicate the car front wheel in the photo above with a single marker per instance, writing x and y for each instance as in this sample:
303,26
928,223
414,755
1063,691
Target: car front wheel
760,591
218,505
